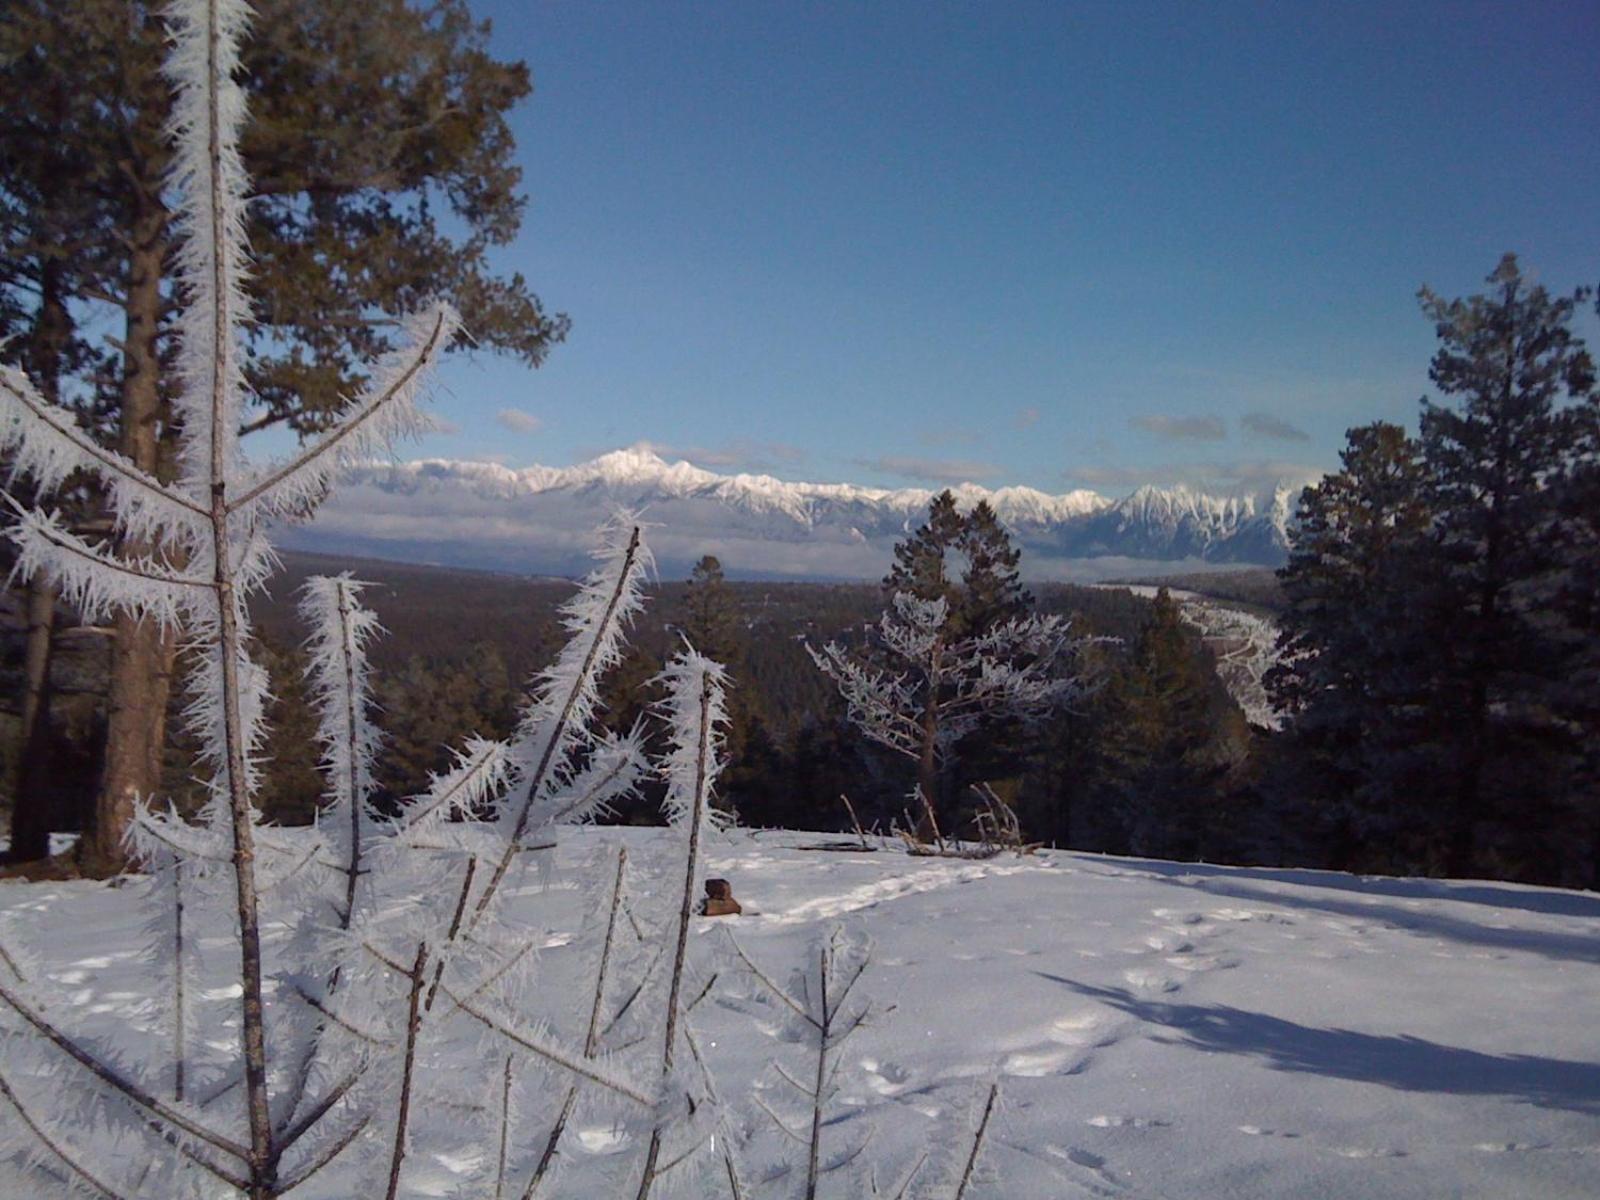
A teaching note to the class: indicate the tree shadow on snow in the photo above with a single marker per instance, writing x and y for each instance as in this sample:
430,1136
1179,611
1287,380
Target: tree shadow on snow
1402,1062
1575,947
1548,901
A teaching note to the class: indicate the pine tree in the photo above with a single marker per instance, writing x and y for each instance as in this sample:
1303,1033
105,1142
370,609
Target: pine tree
921,562
1157,755
1576,537
991,585
711,618
1509,360
1356,659
371,121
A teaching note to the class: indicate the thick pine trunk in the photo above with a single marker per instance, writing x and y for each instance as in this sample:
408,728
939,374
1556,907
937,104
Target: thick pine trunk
33,813
142,654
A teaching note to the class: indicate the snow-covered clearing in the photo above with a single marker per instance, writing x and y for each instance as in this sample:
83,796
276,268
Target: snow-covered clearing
1159,1029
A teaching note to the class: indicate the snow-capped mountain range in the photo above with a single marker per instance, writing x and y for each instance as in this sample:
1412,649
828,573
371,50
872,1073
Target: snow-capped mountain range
540,520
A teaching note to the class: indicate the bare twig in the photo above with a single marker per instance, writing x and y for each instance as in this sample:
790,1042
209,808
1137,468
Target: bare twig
854,820
977,1140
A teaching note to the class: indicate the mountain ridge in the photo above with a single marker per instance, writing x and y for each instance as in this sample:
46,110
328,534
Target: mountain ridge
540,519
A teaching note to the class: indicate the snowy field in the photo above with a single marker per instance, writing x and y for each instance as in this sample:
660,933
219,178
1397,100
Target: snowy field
1159,1029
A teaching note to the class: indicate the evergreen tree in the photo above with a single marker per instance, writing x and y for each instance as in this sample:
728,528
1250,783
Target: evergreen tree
1357,659
711,619
1508,359
376,127
1576,537
991,585
922,563
1158,759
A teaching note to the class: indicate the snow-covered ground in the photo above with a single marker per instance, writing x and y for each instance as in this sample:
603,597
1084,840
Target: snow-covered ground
1159,1029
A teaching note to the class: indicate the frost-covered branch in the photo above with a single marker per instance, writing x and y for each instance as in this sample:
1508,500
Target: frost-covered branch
696,714
385,413
956,1151
207,554
341,628
45,444
591,1041
557,722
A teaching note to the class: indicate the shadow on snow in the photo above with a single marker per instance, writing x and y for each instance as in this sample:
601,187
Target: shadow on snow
1401,1061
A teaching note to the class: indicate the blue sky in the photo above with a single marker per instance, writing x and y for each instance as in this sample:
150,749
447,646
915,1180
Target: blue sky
1058,245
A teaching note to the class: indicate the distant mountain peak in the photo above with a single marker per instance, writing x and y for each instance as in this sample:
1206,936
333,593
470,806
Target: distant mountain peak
538,519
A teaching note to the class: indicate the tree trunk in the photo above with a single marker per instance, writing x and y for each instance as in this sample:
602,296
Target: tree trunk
34,811
142,654
928,758
928,772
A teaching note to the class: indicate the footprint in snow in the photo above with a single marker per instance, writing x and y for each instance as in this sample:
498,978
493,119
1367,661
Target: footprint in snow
1147,979
1105,1121
1179,915
885,1078
1089,1161
1046,1060
1081,1029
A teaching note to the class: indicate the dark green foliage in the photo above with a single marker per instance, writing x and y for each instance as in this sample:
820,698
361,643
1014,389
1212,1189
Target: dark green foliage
1441,604
1255,589
1156,760
923,561
966,559
1354,670
991,585
1507,360
380,155
710,622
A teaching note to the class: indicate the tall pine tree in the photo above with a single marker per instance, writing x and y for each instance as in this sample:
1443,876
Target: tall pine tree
1508,361
1356,658
382,164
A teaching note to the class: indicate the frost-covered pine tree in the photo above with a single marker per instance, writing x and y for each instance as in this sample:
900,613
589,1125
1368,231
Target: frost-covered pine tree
327,1029
941,688
210,552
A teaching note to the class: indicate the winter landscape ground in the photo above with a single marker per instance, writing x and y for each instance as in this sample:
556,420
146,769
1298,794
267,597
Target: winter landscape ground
1158,1029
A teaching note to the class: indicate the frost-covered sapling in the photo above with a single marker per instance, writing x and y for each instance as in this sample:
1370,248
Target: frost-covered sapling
941,688
820,1011
689,1117
209,553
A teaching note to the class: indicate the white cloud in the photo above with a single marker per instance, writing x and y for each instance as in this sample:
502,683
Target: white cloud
518,421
